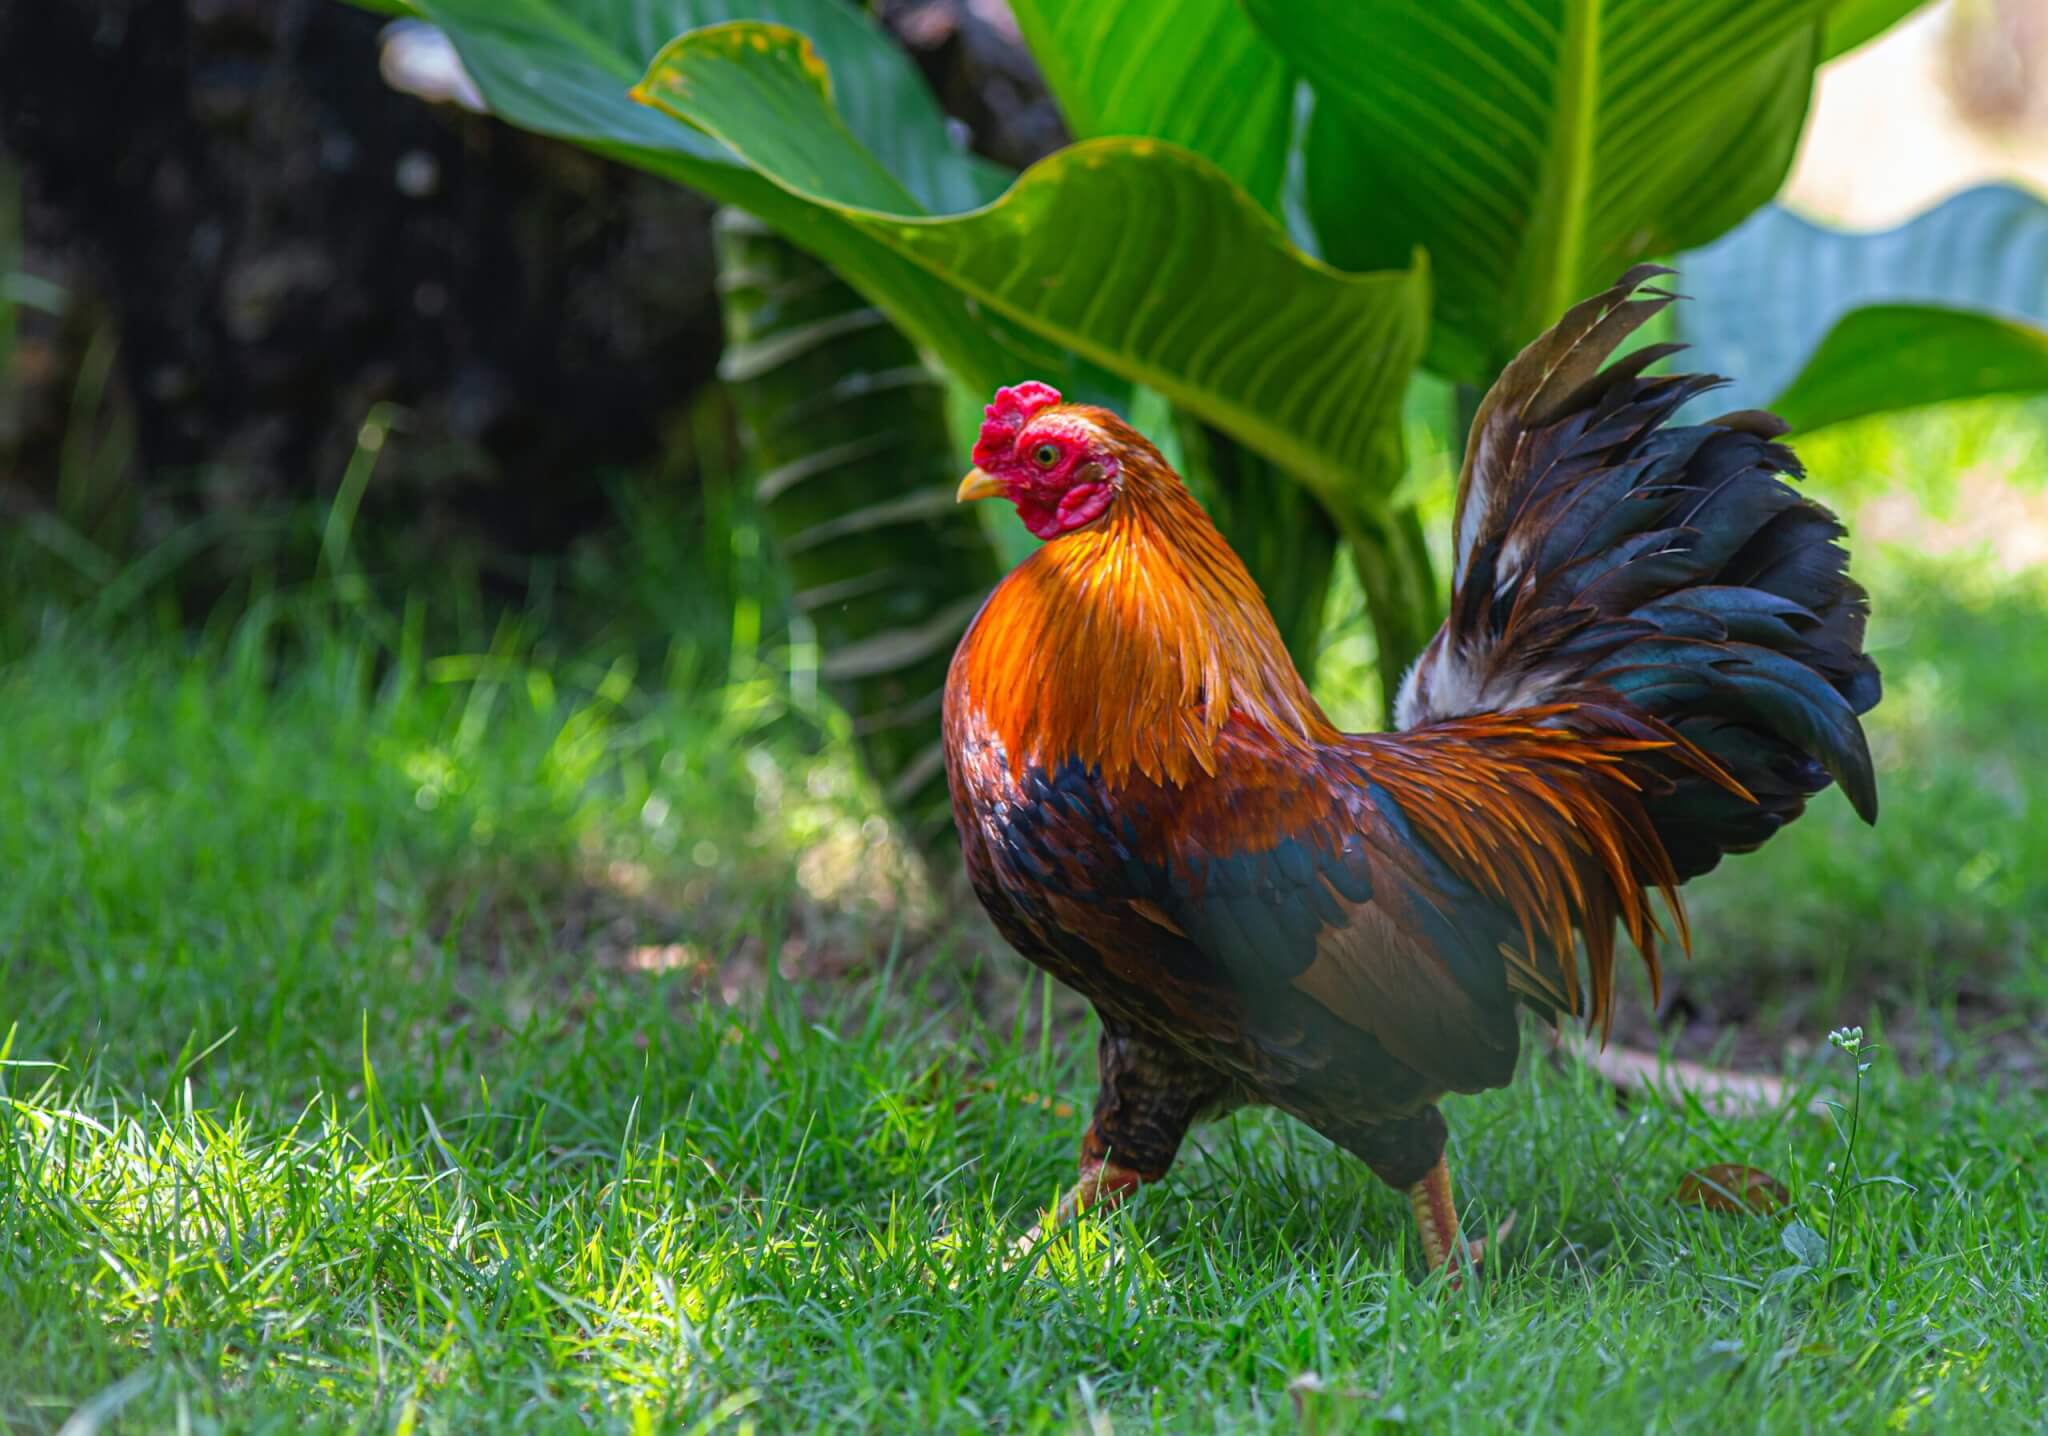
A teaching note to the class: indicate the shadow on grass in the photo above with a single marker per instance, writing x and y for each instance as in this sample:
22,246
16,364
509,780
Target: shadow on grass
1934,923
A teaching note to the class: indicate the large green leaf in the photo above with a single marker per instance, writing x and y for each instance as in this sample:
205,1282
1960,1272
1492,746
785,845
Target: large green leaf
1766,295
1896,356
1198,74
564,68
1137,255
856,469
1193,72
1537,149
1300,363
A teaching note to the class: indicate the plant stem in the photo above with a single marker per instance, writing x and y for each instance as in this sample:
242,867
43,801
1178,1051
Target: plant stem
1465,401
1392,559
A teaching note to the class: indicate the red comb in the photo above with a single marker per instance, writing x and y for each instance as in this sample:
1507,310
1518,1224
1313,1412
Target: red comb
1009,412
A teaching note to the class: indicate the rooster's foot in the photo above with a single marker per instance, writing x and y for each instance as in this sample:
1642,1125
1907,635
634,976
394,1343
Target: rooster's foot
1103,1184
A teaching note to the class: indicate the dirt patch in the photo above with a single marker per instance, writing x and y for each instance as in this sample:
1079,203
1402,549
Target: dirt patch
1769,1021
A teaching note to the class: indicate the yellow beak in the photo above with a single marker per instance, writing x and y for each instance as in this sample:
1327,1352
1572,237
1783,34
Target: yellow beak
978,485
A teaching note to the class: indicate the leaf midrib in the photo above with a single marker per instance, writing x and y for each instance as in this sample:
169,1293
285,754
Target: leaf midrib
1568,184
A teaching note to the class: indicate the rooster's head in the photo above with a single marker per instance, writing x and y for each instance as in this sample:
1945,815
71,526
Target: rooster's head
1062,465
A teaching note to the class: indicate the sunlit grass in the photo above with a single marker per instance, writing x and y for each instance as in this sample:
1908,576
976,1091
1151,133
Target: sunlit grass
804,1222
475,1039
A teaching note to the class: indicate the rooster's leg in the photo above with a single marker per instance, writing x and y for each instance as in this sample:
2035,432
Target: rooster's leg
1408,1155
1436,1218
1104,1183
1149,1098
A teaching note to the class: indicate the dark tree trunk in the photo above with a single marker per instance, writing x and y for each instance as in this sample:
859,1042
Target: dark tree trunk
976,63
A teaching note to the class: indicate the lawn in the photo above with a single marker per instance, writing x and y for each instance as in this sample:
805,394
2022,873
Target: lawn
423,1034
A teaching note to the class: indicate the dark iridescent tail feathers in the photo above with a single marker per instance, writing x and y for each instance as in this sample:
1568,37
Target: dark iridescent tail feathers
1662,578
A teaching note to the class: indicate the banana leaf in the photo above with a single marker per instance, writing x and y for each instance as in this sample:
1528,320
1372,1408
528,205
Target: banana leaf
856,469
1825,325
1538,149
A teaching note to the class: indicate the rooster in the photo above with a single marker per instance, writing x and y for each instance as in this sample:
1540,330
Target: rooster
1654,656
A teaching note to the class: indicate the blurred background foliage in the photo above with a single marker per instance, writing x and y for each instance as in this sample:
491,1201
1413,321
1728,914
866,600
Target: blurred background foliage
291,215
294,314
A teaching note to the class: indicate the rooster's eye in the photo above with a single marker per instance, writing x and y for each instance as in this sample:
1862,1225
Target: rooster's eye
1045,455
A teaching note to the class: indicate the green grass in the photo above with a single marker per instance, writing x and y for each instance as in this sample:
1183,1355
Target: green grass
400,1039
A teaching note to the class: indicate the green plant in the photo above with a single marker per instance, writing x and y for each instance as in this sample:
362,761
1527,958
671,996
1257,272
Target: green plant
79,519
1814,1254
1838,325
1536,151
855,477
1467,169
861,173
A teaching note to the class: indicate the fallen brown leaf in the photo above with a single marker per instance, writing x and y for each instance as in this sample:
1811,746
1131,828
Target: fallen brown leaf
1731,1187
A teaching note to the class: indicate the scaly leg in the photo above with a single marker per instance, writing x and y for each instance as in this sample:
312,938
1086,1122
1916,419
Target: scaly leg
1103,1183
1408,1155
1149,1097
1436,1218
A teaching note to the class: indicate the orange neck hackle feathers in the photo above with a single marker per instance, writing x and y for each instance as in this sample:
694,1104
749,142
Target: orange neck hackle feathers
1130,642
